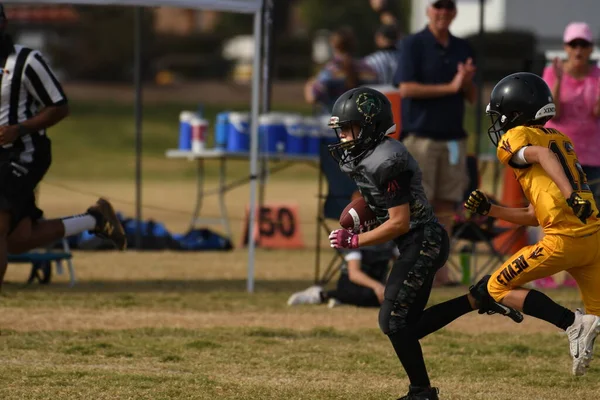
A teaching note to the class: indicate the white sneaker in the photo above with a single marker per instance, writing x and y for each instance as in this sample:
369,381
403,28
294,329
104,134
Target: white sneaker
312,295
333,303
582,335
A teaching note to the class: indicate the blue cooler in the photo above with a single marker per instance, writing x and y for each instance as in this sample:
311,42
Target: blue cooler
272,133
238,132
313,136
327,134
296,139
221,130
185,129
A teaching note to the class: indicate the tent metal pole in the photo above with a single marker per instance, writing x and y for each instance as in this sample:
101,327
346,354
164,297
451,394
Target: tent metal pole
256,74
138,123
267,11
480,80
267,55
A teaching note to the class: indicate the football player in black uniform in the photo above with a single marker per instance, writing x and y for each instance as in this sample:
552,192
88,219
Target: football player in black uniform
389,180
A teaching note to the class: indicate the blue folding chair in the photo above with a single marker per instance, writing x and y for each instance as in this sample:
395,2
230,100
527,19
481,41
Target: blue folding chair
339,193
41,261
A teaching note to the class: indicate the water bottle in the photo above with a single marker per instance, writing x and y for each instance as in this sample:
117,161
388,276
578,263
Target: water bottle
465,264
199,127
185,130
221,130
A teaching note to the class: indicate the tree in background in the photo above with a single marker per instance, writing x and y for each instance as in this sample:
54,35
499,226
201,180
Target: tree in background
100,46
360,14
233,24
324,14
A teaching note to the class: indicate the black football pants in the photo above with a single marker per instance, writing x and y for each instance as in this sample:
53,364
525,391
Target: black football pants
402,316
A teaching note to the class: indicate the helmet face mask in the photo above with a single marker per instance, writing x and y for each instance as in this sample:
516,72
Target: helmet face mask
360,118
352,141
522,98
500,124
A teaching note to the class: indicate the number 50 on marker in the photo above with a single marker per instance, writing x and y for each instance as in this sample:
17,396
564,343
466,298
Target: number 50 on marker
278,227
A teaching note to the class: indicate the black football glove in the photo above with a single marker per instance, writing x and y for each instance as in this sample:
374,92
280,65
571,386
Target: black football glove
581,208
478,203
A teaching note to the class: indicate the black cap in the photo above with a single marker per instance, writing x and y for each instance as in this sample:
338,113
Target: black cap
443,3
389,32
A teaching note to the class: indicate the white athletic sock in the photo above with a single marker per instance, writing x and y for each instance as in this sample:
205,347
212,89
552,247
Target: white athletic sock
78,223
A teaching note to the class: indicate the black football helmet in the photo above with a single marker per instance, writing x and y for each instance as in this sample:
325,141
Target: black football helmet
522,98
371,111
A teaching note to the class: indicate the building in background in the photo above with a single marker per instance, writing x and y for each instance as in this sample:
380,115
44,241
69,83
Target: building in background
24,13
36,25
183,21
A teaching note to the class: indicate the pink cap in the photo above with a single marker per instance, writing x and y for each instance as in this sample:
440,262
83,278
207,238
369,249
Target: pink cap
578,30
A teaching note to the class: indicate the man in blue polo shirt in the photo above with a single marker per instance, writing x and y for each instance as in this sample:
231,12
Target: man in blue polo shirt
435,76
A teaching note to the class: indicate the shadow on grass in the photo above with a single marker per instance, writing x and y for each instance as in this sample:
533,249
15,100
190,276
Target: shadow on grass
235,288
178,286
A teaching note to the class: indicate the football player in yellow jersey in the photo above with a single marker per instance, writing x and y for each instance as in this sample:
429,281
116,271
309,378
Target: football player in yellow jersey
545,164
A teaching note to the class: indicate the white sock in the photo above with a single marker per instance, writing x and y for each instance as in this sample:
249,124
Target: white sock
78,223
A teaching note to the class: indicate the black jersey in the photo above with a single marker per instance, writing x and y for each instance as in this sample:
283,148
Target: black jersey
388,176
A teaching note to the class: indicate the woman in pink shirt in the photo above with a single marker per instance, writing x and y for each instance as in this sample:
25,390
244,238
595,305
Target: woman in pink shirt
575,85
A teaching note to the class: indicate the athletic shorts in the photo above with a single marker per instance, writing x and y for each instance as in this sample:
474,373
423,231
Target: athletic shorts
18,180
442,180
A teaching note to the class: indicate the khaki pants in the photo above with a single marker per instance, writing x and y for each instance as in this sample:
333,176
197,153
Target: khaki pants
441,179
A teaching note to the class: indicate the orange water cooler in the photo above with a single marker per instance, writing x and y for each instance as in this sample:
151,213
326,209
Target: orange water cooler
393,95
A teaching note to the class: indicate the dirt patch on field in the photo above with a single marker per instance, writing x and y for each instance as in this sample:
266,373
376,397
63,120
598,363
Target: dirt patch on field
172,202
201,272
305,318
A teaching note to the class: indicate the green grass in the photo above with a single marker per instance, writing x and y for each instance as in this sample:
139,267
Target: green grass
192,295
182,326
242,362
192,332
97,141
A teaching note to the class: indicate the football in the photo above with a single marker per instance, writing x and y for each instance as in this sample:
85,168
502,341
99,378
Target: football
358,216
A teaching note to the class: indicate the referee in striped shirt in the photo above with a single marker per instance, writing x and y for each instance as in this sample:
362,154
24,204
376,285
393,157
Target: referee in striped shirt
385,60
32,100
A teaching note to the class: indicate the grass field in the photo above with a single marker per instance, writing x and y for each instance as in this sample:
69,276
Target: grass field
181,326
97,140
169,325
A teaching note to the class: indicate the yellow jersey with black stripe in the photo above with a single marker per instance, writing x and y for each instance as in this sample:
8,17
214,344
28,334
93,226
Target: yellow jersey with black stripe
551,209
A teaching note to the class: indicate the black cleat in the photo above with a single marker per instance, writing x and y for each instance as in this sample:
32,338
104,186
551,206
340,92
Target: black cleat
421,393
108,225
488,305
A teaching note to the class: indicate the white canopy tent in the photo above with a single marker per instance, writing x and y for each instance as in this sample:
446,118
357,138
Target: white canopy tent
238,6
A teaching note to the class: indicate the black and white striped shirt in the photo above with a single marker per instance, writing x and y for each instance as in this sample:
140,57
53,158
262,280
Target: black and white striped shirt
27,85
384,62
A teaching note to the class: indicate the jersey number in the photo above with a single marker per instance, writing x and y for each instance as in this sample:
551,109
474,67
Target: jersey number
577,179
